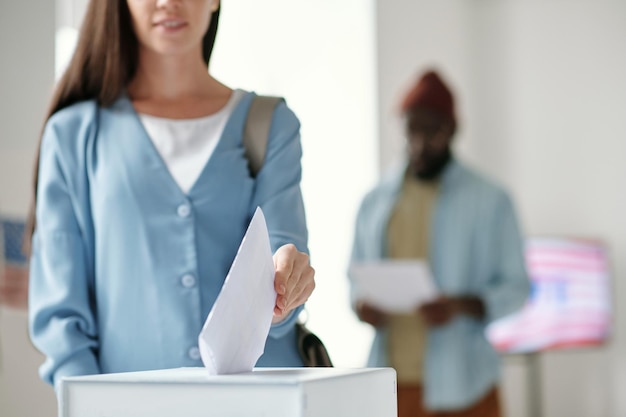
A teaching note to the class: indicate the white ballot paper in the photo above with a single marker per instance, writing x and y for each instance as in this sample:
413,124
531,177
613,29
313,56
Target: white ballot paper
397,286
234,334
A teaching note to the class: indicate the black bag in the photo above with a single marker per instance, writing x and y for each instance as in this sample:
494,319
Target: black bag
256,131
311,349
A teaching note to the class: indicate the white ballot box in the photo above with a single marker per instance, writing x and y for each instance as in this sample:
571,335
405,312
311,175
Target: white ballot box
264,392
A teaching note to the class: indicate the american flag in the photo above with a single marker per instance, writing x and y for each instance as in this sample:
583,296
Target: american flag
570,302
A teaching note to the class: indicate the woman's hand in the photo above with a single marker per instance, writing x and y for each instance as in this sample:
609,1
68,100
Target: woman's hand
294,280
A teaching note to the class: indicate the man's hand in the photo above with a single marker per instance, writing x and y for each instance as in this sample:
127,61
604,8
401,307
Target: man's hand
294,280
443,309
439,311
371,315
14,287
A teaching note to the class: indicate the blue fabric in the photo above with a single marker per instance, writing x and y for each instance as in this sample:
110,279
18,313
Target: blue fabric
476,249
116,235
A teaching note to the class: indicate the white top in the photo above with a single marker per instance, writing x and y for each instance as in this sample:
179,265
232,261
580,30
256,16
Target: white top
185,145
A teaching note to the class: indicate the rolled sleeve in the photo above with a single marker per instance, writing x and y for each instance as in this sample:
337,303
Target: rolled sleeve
279,194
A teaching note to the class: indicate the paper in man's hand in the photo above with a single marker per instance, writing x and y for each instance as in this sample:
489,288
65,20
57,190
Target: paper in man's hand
394,286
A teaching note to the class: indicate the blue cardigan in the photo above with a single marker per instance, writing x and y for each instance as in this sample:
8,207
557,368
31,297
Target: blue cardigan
476,248
125,266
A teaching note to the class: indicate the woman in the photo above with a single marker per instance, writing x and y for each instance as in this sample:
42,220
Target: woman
144,194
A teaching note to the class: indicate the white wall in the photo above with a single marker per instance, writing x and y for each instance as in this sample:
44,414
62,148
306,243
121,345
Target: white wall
542,104
26,78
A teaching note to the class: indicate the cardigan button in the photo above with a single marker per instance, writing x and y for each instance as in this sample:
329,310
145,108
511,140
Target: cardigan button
188,281
183,210
194,353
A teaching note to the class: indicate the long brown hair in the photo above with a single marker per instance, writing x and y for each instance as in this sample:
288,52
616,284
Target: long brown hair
104,62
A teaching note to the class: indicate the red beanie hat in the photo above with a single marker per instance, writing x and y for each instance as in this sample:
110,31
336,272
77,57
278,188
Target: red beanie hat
430,92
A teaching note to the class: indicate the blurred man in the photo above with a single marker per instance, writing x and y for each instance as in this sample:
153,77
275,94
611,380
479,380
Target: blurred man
435,208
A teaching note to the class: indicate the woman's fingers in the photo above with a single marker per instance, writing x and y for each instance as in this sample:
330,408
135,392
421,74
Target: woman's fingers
294,278
303,290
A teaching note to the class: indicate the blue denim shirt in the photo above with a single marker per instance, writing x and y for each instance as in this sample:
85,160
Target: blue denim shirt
476,248
125,266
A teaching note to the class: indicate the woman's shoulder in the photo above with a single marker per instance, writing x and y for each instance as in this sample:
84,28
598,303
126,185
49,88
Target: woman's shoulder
73,116
71,125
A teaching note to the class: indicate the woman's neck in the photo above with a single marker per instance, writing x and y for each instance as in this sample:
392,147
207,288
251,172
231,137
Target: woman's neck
176,86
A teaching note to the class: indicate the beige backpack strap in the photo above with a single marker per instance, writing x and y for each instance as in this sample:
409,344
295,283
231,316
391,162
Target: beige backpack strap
257,129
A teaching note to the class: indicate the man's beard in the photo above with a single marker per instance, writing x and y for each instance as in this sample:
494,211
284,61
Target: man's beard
435,166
